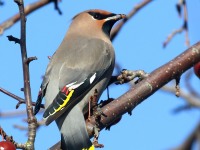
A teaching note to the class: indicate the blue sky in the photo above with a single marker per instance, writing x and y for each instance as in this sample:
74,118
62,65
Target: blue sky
138,46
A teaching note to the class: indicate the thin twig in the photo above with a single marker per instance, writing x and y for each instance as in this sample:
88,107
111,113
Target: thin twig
190,98
19,99
172,35
119,26
24,128
15,113
184,27
12,114
187,41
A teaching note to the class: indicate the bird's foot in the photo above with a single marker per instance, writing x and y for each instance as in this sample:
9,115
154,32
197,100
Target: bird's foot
96,137
97,145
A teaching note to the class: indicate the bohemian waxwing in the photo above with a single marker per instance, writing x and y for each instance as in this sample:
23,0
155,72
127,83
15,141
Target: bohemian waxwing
83,63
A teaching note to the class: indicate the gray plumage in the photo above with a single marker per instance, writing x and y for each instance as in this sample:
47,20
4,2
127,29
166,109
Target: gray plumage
83,62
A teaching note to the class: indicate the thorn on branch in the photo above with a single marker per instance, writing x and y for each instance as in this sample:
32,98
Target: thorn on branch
49,57
18,104
56,6
177,86
178,8
130,113
116,121
14,39
28,60
18,2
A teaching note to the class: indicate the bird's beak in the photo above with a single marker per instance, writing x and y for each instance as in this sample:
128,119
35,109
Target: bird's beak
116,17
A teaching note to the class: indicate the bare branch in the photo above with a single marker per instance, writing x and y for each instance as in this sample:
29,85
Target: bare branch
187,41
19,99
119,26
171,36
29,9
32,122
30,59
12,114
24,128
181,29
12,95
191,99
15,113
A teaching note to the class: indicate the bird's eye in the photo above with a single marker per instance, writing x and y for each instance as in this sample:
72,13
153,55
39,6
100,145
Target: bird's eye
97,16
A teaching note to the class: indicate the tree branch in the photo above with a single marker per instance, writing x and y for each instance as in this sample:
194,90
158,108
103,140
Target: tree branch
148,86
119,26
32,122
19,99
172,35
29,9
191,99
184,27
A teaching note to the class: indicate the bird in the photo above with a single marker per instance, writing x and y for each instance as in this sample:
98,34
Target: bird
84,62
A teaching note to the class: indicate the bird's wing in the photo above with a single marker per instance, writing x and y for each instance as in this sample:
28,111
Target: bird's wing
78,73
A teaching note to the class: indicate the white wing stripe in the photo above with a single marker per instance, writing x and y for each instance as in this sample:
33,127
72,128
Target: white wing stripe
92,78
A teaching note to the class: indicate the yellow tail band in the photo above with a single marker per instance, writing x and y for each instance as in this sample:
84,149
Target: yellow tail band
91,148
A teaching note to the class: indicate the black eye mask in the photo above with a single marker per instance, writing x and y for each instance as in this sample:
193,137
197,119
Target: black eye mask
99,16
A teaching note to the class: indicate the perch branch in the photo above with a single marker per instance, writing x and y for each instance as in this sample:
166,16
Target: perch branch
148,86
145,88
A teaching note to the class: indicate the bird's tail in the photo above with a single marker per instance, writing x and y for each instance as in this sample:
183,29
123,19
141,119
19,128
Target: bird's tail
74,135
